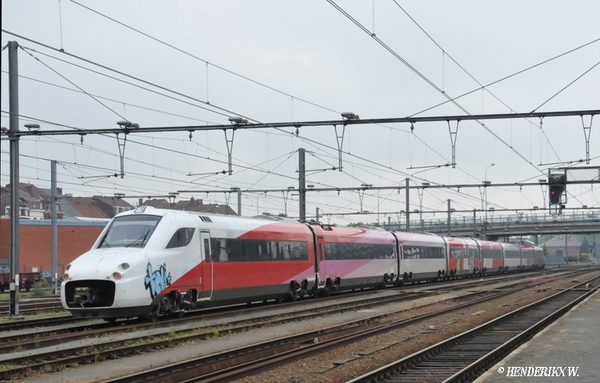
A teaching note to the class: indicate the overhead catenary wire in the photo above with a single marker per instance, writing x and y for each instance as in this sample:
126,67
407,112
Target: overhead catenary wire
316,143
334,149
427,80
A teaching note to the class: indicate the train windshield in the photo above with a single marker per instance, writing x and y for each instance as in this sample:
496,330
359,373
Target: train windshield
129,231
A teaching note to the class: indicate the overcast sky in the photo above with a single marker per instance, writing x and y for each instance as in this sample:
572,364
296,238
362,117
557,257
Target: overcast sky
159,63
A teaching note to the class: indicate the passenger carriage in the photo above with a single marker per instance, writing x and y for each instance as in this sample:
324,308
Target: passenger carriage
422,257
492,257
351,258
532,257
463,257
512,257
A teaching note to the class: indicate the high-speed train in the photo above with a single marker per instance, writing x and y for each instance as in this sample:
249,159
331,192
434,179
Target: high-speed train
151,262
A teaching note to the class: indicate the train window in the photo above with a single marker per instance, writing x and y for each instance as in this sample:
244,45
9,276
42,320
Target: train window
527,254
463,253
422,252
512,254
129,231
338,251
181,238
218,249
206,250
491,253
253,250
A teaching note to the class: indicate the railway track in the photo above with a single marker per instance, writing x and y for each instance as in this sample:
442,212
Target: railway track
97,349
466,356
131,341
34,305
229,365
265,355
60,320
246,361
49,332
94,349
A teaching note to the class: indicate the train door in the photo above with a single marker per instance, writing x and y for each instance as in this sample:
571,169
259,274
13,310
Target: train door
397,253
479,258
321,259
449,259
207,267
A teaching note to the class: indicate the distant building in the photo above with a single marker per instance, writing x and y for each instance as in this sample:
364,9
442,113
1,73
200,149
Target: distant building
561,248
192,204
34,203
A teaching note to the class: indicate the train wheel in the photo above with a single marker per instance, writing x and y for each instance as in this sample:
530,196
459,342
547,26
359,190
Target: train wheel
290,297
152,316
292,293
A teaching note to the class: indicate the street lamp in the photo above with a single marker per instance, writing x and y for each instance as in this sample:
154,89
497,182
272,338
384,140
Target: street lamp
127,125
237,121
33,127
172,196
350,116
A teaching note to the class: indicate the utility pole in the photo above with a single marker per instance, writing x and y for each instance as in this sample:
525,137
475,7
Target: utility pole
13,134
449,217
54,226
302,182
407,208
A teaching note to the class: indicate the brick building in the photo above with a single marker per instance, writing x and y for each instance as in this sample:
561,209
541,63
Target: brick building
35,251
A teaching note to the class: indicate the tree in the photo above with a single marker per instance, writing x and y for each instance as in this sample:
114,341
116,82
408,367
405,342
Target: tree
585,246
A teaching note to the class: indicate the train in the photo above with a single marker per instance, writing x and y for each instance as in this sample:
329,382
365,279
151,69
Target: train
151,262
26,281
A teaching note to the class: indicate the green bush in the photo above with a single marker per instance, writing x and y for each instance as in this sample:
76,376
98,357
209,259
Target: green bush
40,289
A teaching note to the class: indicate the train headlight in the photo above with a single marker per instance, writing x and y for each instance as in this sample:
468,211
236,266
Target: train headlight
66,277
116,275
124,266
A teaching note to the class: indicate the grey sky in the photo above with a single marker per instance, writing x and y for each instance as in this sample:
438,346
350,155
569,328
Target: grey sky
275,61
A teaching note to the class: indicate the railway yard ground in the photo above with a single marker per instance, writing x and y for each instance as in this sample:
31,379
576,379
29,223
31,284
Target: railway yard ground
570,342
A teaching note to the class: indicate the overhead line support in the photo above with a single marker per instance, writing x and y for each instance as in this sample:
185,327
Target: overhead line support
244,125
587,131
453,136
340,143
